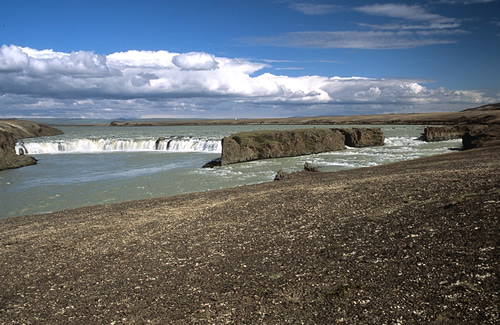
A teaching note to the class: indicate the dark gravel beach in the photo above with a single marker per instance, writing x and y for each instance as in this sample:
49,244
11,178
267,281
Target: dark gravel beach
409,242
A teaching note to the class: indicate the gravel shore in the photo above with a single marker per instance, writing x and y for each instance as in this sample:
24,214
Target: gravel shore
409,242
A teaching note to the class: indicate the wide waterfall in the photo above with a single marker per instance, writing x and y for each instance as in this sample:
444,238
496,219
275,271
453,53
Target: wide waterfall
175,144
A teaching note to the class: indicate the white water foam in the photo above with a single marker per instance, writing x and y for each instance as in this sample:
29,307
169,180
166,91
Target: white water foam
120,145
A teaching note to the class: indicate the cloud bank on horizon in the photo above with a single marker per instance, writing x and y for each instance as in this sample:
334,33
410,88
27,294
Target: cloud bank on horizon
137,81
160,83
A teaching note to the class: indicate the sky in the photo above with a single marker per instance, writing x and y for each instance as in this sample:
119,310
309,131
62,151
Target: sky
115,59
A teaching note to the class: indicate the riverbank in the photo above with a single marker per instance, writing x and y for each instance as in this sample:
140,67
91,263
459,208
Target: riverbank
415,241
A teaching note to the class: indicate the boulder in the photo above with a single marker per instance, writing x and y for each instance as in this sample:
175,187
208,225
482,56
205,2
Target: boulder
308,167
363,137
281,175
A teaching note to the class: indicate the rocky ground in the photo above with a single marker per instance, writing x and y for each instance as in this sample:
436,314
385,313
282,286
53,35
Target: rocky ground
410,242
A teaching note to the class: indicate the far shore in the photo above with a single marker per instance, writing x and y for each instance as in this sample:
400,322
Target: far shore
440,118
488,115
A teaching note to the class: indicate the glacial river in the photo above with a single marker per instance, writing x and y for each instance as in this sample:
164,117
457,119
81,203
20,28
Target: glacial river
90,165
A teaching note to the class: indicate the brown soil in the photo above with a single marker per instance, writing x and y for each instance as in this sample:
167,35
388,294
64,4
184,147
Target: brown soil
410,242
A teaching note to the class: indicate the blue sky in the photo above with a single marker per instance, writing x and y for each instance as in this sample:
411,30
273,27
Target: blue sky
259,58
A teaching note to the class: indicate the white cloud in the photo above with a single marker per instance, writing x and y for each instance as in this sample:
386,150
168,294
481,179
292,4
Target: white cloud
409,26
314,8
355,39
142,83
419,18
402,11
399,26
195,61
12,59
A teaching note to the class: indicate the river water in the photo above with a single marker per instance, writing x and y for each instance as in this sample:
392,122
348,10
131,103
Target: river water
90,165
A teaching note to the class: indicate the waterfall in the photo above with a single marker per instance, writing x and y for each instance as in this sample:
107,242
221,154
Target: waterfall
172,144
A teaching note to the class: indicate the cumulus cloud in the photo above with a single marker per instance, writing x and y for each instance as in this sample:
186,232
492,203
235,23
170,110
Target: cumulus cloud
12,58
144,83
81,64
195,61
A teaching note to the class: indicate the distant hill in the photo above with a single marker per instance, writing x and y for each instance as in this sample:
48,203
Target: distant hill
487,107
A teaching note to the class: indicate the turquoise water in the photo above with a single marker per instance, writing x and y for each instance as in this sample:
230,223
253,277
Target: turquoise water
99,165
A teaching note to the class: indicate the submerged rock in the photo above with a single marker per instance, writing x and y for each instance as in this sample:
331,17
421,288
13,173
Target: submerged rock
212,163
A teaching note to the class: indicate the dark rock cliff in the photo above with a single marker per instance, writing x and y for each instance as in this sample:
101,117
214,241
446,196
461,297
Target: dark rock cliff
442,133
13,130
247,146
8,157
473,136
359,138
483,137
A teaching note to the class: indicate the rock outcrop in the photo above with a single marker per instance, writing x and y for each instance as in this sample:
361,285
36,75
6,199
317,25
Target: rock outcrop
359,138
8,157
442,133
473,136
481,137
21,129
247,146
12,131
